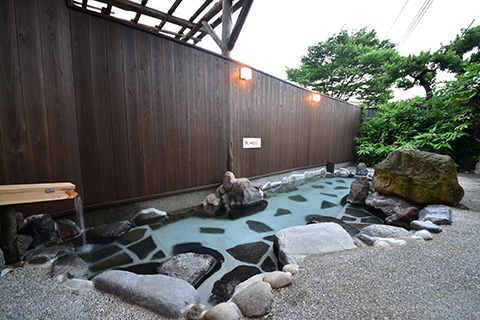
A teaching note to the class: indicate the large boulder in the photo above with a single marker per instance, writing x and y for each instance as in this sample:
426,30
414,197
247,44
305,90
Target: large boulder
169,297
41,227
295,243
244,193
420,177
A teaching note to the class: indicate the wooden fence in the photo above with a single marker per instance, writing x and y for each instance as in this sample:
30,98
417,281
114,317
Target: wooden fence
126,114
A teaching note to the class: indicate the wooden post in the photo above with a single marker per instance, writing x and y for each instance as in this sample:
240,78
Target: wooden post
8,240
226,26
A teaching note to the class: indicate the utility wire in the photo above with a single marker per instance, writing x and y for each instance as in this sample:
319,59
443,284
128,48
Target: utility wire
421,12
396,19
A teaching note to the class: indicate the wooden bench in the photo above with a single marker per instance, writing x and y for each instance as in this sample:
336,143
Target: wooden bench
11,195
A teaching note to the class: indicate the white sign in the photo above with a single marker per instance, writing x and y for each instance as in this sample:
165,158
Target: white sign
249,143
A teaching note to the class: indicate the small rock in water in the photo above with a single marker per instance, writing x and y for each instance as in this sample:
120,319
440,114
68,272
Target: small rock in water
327,204
249,252
258,226
281,212
297,198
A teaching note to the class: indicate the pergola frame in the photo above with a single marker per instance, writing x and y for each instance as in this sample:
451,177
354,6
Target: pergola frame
194,29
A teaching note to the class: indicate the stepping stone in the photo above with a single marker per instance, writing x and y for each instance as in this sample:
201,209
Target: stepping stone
297,198
270,238
340,180
143,268
346,218
268,265
258,226
316,186
371,220
224,288
340,188
132,236
328,182
196,247
158,255
143,248
249,252
100,252
328,204
281,212
354,212
329,195
212,230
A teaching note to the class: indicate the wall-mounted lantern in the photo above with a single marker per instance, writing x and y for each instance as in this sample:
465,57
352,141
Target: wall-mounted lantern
245,73
316,97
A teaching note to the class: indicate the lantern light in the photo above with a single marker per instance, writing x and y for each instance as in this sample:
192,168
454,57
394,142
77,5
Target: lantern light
245,73
316,97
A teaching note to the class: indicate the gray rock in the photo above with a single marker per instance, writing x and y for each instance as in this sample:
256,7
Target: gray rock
381,202
436,213
223,311
67,229
108,232
224,288
425,225
295,243
256,300
23,243
147,216
361,169
278,279
167,296
44,254
359,191
403,217
477,168
42,228
69,267
290,268
192,267
384,231
244,193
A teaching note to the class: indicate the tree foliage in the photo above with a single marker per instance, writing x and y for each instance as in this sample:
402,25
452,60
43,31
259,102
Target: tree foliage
446,123
349,65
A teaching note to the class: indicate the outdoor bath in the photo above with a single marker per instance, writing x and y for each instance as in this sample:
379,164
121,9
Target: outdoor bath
240,240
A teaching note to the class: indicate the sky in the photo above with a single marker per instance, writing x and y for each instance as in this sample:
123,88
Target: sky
277,33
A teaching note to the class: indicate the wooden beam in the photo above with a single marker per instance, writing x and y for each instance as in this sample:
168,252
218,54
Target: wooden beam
218,21
38,192
239,24
212,33
137,16
170,11
195,15
226,26
209,15
131,6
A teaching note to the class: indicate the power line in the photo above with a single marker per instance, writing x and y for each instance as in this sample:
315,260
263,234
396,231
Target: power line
421,12
396,19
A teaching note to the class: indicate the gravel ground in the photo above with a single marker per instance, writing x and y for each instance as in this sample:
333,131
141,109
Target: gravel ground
439,279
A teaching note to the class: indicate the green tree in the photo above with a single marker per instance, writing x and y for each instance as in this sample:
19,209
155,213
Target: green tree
421,70
349,66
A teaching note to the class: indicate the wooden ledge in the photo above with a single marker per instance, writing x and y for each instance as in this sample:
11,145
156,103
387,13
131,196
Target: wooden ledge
39,192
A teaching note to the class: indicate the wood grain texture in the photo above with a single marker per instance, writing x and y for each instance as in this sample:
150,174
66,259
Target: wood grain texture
126,114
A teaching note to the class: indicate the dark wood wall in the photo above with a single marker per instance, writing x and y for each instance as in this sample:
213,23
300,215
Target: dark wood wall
125,114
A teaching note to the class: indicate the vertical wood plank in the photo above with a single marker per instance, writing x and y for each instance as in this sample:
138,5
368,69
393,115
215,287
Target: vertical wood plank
83,74
102,109
33,92
121,159
12,119
158,96
130,70
146,113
